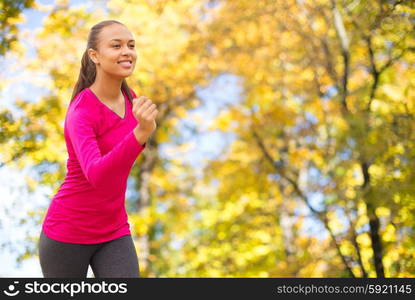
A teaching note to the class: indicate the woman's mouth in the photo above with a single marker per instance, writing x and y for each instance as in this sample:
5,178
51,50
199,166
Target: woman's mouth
125,63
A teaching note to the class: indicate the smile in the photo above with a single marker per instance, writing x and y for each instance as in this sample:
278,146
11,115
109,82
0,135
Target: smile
125,64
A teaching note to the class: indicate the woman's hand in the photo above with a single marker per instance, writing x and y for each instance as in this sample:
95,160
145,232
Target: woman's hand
145,112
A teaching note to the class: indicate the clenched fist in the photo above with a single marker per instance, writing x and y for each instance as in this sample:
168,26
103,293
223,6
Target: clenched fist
145,112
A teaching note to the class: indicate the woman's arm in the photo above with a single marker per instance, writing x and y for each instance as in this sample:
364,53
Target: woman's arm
102,171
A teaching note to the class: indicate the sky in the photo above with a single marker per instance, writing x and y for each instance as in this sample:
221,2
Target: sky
206,145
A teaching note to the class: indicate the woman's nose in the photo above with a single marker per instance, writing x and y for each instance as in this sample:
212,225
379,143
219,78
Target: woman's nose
127,50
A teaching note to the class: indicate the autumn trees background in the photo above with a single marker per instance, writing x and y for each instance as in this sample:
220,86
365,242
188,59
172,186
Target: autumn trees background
316,176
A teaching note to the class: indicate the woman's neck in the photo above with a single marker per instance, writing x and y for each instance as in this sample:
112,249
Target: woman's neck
106,88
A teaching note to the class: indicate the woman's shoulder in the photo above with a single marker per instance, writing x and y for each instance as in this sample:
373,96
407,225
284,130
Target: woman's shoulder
84,100
133,93
83,107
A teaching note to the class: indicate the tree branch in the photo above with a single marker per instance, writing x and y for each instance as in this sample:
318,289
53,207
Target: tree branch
344,43
320,215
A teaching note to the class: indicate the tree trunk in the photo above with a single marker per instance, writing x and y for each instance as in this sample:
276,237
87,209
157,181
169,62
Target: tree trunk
144,201
374,224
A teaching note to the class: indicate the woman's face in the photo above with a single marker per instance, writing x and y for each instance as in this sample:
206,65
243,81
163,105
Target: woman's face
116,53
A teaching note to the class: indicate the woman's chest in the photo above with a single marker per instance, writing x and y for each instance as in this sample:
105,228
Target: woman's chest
112,129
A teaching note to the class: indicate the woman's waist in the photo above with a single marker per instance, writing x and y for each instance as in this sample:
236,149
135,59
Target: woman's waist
87,200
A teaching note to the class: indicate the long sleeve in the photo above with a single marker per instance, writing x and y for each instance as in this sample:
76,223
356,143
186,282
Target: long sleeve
107,171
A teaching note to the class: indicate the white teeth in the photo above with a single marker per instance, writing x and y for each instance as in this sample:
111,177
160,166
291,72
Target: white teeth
125,63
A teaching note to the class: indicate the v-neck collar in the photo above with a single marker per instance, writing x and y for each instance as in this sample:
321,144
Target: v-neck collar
102,103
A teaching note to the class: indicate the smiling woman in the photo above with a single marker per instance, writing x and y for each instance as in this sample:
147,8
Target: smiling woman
108,50
105,131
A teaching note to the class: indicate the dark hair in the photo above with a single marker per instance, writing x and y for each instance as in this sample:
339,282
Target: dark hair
88,70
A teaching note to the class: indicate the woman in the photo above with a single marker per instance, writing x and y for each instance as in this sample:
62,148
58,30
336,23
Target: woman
106,128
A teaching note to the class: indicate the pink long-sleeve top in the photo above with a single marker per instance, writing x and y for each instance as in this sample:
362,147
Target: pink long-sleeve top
89,206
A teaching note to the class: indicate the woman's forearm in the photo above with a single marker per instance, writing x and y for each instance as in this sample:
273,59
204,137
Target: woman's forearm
140,135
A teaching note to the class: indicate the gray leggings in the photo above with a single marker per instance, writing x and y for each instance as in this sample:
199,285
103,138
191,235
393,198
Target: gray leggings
112,259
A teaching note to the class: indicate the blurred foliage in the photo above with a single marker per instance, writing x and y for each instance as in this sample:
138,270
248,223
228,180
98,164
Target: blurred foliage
318,180
11,15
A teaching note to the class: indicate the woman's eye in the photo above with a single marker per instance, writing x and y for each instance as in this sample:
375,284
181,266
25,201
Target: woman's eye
132,46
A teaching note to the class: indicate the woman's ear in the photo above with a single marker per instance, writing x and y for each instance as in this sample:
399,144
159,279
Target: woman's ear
93,55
